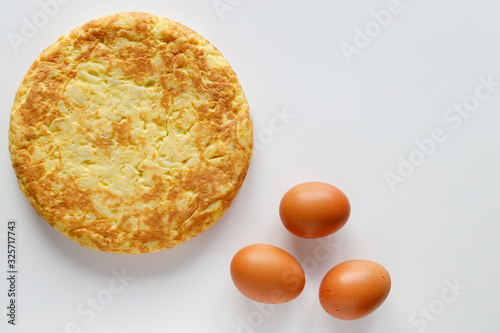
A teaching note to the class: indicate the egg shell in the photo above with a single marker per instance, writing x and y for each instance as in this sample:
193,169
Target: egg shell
354,289
314,210
267,274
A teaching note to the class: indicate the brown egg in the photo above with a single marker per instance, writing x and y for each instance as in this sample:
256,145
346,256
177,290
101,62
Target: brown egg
314,209
267,274
354,289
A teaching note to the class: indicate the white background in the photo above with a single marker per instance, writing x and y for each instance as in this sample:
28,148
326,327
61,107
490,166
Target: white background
352,123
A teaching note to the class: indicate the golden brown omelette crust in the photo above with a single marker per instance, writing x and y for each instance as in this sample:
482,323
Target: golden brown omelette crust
131,134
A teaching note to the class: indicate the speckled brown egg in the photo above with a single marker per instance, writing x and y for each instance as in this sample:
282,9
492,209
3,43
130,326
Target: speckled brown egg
354,289
267,274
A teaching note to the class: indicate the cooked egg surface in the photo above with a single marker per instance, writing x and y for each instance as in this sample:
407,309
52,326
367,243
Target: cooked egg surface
354,289
314,210
131,134
267,274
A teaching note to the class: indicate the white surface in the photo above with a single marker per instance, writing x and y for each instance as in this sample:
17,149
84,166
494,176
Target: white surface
351,123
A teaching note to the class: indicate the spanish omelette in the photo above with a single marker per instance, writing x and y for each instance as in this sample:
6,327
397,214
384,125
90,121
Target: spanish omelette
131,134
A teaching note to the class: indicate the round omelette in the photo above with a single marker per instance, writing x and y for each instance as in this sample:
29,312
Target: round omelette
131,134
